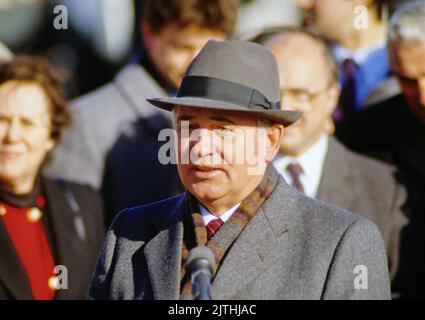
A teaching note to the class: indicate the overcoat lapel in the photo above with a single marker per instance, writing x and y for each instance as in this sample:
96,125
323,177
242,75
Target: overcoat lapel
69,248
12,273
262,242
335,185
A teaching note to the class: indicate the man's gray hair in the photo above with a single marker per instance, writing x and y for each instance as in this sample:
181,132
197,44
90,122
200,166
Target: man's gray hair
408,24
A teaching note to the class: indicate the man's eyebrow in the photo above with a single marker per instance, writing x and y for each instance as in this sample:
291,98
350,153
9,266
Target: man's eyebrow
223,119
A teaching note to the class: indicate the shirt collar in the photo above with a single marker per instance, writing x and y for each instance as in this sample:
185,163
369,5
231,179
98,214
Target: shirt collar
359,56
208,216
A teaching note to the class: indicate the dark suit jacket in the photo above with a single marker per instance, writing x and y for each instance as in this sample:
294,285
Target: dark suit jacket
68,248
369,188
391,132
295,247
133,174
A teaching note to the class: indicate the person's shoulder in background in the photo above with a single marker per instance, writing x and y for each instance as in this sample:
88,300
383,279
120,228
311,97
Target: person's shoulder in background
98,119
378,129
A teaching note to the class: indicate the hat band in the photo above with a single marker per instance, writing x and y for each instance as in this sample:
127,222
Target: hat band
225,91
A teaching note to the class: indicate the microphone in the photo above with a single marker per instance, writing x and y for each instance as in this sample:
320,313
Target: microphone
200,266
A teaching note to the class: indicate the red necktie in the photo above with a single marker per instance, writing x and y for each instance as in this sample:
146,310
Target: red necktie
213,226
295,170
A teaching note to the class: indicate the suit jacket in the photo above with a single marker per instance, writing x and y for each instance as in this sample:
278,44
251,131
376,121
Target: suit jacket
397,136
295,247
369,188
99,118
391,132
68,248
113,143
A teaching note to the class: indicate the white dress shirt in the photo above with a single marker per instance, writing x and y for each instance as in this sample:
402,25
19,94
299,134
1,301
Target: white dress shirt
208,216
312,163
359,56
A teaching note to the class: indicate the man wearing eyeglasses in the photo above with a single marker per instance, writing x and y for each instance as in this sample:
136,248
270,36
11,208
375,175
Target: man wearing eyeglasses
314,162
394,131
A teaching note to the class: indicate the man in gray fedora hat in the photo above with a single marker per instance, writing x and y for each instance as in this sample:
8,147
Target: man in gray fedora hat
268,240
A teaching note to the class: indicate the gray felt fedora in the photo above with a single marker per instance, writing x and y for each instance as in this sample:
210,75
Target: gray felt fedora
234,76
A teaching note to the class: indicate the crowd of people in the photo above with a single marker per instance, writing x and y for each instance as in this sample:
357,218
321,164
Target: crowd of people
68,167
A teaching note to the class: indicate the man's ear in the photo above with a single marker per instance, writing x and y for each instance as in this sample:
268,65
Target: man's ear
334,92
330,126
274,140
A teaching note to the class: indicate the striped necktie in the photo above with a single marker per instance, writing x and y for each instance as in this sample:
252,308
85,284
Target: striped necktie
295,170
213,226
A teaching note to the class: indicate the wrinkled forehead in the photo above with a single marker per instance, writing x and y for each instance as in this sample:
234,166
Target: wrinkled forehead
205,115
24,98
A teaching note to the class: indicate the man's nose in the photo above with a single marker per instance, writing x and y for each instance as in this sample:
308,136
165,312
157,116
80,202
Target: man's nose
203,144
13,132
304,4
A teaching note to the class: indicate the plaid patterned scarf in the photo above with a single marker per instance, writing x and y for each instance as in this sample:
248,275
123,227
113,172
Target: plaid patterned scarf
195,233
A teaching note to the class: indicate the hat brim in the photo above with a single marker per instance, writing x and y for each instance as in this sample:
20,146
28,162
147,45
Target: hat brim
281,116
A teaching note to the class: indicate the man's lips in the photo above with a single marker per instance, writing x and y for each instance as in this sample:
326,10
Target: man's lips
10,154
206,172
